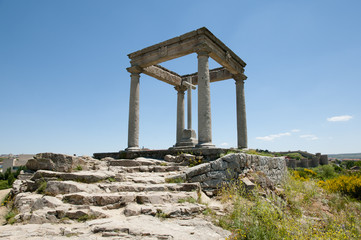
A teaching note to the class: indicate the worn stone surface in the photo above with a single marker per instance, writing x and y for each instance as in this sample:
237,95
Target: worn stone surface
137,200
63,163
211,175
197,170
118,202
82,176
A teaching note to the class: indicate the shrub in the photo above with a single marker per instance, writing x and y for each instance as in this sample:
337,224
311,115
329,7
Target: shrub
348,185
11,179
196,161
303,174
7,173
4,184
326,172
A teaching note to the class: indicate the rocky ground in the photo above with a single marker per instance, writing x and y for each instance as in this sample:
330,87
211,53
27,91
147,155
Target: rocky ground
3,209
85,198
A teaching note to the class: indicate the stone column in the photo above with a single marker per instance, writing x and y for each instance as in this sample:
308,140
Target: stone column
180,112
133,123
204,101
241,114
189,105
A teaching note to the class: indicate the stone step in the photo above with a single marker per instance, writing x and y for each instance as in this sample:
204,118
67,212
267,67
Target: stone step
81,176
144,179
153,169
137,162
118,200
166,210
141,187
152,228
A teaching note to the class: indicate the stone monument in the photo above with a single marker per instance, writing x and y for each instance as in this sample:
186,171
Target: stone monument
205,44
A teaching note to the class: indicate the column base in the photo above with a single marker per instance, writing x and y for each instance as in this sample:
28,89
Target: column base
132,149
205,145
189,139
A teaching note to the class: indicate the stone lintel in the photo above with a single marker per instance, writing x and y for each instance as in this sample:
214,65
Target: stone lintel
216,74
163,74
186,44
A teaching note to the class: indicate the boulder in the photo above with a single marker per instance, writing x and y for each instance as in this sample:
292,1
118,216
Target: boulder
65,187
53,162
64,163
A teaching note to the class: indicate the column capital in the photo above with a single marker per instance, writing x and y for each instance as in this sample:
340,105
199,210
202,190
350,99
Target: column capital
180,88
239,77
203,49
135,69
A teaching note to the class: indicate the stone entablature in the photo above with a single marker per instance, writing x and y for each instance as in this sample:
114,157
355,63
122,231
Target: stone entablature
205,44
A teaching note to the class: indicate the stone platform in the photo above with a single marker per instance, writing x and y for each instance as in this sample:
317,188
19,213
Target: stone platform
208,154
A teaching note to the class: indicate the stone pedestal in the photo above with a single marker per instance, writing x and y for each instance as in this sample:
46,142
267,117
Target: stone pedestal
189,138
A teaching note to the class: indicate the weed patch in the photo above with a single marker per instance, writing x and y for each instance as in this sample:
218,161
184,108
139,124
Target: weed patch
41,188
304,211
174,180
86,217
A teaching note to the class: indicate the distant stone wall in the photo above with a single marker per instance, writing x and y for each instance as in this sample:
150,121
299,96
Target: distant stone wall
313,161
211,175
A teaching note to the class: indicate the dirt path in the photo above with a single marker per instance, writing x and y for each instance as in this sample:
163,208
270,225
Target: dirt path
3,209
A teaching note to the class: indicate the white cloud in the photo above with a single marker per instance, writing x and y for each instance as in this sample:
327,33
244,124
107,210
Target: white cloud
342,118
295,130
309,137
224,144
273,136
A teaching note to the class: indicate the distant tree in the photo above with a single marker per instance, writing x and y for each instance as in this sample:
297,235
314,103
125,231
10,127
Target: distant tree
11,179
7,173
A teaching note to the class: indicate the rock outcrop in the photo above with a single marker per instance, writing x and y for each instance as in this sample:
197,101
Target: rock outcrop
121,199
85,198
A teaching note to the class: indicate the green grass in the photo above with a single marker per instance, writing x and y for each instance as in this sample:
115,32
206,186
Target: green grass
41,188
188,199
4,184
111,179
161,214
10,216
78,168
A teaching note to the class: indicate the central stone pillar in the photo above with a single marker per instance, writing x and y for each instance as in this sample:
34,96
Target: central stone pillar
180,112
204,101
241,114
133,123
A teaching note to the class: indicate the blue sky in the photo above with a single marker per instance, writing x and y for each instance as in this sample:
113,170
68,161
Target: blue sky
65,88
